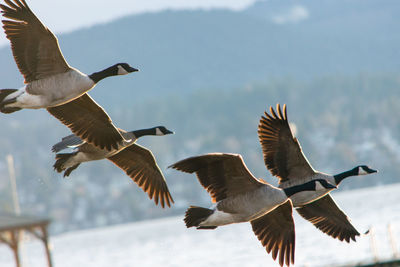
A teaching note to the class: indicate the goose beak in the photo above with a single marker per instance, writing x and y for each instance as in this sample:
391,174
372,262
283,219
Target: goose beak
169,132
331,186
373,171
132,70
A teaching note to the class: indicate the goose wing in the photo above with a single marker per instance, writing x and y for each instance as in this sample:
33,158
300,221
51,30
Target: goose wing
282,152
140,164
276,232
89,121
34,46
221,174
329,218
67,142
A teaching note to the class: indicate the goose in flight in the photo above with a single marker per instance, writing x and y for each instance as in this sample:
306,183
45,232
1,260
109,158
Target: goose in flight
284,158
241,197
53,84
138,162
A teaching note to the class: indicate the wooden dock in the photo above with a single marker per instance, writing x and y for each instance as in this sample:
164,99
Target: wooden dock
12,226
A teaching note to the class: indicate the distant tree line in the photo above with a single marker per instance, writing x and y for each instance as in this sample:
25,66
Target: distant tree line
341,121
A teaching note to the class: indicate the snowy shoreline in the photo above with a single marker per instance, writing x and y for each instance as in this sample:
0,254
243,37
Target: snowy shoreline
167,242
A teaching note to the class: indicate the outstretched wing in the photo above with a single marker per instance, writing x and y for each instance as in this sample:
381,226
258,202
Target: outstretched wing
34,46
89,121
329,218
221,174
140,164
282,152
276,232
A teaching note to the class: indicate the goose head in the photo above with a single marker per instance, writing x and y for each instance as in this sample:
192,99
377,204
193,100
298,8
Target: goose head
124,68
363,170
161,130
114,70
358,170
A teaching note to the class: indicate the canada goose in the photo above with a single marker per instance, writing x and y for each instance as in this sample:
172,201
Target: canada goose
138,162
240,197
284,158
51,83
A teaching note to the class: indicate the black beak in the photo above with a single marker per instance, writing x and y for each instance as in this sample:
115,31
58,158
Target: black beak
132,70
331,186
372,171
169,132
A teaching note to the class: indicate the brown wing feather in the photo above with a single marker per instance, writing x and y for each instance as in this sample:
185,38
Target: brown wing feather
326,216
222,175
282,152
34,46
140,164
89,121
276,232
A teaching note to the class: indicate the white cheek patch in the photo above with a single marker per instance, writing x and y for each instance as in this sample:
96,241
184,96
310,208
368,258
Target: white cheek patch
361,171
158,132
121,70
318,186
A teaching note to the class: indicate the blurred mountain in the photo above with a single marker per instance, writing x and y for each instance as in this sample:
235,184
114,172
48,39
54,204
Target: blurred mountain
182,51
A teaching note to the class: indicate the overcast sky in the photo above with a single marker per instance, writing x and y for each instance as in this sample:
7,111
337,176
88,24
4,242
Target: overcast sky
68,15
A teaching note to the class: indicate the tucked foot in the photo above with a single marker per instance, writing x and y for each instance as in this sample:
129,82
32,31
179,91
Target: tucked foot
69,170
62,164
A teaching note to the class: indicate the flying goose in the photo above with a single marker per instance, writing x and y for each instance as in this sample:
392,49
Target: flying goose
51,83
284,158
138,162
240,197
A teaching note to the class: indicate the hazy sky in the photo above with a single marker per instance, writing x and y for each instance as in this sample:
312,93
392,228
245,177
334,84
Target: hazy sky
67,15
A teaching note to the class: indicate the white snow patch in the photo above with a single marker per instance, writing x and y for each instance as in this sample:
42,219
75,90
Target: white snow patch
295,14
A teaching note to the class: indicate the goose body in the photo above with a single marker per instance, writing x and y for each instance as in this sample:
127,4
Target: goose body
284,158
246,207
137,161
87,152
240,197
52,91
50,82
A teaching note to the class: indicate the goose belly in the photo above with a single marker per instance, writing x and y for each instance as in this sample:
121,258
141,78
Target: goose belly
219,218
90,153
247,206
55,90
77,158
267,199
305,197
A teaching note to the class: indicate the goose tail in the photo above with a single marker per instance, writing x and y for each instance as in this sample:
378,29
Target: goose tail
3,94
195,215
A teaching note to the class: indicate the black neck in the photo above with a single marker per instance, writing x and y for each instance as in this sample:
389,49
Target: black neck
98,76
142,132
310,186
339,177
